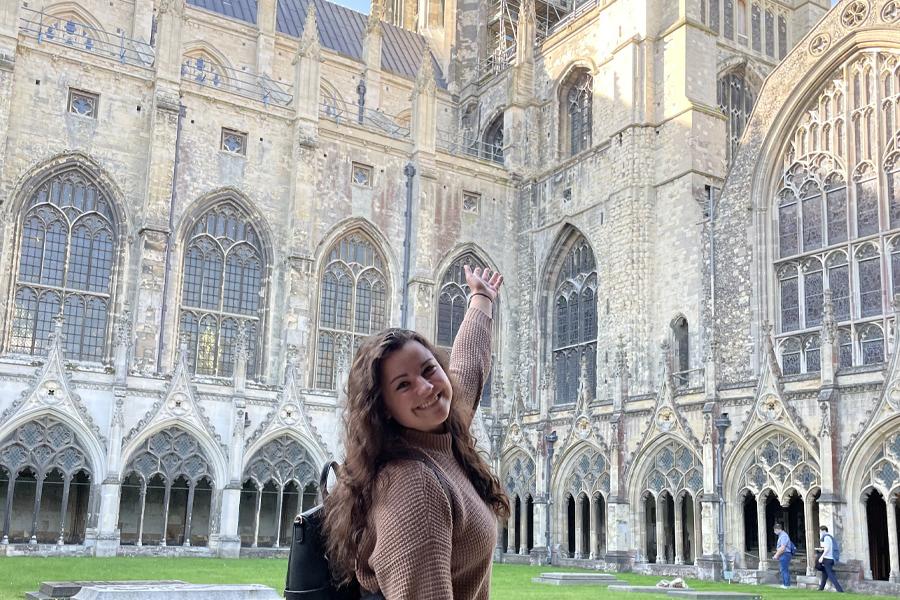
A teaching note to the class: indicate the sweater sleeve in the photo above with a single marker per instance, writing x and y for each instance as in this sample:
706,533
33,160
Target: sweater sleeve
413,524
470,358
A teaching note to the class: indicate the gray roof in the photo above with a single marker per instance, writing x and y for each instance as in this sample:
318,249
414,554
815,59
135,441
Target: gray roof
341,30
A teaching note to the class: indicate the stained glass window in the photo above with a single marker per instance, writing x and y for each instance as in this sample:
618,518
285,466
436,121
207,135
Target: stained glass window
830,197
770,33
714,15
790,357
790,299
575,321
66,254
735,98
729,19
577,95
812,293
782,37
352,302
871,344
811,351
756,25
869,284
222,291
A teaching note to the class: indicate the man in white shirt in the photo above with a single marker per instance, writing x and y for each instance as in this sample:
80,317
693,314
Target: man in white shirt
827,560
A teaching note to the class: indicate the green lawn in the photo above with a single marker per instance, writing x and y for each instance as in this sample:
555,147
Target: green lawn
510,582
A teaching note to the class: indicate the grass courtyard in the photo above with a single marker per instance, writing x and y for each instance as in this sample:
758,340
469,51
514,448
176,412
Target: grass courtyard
510,582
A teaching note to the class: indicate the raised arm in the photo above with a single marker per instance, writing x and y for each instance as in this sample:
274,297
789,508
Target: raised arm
470,358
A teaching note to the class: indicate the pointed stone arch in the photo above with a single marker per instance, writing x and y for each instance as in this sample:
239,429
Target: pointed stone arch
202,57
74,11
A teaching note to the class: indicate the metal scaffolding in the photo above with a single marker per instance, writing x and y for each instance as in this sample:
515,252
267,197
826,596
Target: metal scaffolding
503,21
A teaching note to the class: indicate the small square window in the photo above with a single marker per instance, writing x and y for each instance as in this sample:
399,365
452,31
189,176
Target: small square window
83,104
471,203
234,142
361,175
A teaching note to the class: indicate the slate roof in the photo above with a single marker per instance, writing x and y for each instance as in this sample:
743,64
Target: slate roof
341,30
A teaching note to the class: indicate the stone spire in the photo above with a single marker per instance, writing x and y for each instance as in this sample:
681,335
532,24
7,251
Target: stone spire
309,41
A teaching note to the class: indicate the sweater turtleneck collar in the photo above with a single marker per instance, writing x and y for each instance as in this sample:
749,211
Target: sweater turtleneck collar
438,442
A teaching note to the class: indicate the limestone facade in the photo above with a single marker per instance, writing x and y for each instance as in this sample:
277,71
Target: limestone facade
338,176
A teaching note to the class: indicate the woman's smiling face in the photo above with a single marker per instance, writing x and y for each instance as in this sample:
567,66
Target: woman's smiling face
416,390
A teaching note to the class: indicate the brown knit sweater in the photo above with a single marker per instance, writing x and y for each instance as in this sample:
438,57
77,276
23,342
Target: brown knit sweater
422,543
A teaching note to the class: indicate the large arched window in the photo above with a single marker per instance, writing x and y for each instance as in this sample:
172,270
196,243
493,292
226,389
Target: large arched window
223,291
66,255
352,301
836,216
574,315
736,98
452,304
576,94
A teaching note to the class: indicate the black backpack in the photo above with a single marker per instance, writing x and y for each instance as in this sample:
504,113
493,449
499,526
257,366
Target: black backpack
308,574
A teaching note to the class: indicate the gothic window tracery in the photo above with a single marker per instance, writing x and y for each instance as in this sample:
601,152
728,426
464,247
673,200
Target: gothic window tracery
576,95
46,466
736,97
837,216
675,468
171,453
223,291
519,477
590,474
779,463
352,302
574,315
883,471
281,461
66,254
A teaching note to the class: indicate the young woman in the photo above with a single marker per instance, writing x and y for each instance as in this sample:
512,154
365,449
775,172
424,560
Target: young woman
414,512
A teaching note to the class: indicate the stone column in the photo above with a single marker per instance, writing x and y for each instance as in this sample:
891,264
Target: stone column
229,542
893,552
761,532
595,523
679,531
579,528
111,486
810,535
660,531
523,528
539,550
511,528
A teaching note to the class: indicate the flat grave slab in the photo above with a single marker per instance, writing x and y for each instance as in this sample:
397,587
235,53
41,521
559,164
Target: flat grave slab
151,590
712,595
686,594
646,589
576,579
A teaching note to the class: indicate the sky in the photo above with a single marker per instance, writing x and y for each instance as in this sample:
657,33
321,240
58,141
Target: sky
357,5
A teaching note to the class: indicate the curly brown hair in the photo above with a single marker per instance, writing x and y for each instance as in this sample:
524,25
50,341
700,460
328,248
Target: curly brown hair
371,440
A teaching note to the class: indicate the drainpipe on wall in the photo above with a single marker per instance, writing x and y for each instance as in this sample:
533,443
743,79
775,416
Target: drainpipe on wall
410,171
165,291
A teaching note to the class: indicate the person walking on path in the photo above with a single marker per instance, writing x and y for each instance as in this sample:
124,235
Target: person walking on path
784,552
827,560
414,513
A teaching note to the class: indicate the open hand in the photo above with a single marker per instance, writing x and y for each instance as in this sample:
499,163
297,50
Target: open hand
483,281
